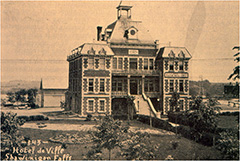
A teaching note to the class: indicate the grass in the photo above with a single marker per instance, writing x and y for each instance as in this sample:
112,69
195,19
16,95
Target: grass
228,121
185,150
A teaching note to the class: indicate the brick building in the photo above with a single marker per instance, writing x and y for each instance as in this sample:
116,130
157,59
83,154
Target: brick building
124,61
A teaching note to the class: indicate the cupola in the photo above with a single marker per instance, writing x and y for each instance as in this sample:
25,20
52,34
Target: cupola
124,11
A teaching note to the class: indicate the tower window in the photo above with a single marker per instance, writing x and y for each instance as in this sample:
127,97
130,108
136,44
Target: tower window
151,64
150,85
102,82
91,63
181,85
181,65
102,63
114,63
114,85
146,86
102,105
171,88
171,66
90,85
119,84
132,32
120,61
133,63
145,64
90,105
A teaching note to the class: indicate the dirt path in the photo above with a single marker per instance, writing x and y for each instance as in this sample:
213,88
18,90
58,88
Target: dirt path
85,128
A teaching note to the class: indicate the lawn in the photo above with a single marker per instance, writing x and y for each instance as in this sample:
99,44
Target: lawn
228,121
186,149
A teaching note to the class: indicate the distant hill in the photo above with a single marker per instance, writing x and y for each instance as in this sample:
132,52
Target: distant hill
18,84
208,88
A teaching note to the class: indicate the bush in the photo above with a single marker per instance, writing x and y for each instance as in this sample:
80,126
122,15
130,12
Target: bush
156,122
189,133
178,117
228,144
89,117
108,135
33,118
9,134
229,113
134,147
120,117
34,106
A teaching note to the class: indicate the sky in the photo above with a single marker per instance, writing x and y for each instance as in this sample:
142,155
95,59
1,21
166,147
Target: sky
36,37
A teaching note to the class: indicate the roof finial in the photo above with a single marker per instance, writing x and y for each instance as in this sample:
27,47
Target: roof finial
120,3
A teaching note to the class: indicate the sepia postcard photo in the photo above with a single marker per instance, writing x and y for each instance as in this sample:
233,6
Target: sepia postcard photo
120,80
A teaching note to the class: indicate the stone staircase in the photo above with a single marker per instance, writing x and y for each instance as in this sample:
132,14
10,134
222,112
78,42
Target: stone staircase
143,106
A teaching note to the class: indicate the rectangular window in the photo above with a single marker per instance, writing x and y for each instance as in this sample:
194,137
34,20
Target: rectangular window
102,82
102,63
150,85
114,63
171,67
181,65
146,86
90,63
181,85
119,84
120,63
102,105
133,63
151,64
156,85
114,85
145,64
90,85
171,86
181,105
90,105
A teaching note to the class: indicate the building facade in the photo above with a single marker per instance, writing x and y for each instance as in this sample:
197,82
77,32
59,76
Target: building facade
126,61
50,95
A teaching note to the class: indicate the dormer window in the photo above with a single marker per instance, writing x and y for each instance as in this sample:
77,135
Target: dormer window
132,33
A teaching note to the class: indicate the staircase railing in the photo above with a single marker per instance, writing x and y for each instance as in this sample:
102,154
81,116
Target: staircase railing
150,105
135,103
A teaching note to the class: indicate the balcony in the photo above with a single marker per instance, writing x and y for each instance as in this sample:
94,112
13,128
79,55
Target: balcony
119,93
135,72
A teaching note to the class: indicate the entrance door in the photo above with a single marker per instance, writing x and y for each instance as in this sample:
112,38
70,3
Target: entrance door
133,87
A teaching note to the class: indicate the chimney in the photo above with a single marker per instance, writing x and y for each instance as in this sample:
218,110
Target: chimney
99,30
157,44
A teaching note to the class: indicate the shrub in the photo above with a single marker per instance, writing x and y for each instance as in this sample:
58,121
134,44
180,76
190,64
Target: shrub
134,147
108,135
229,113
9,134
228,144
156,122
174,144
33,118
89,117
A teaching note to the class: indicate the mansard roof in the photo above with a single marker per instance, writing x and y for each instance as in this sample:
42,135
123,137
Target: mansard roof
97,49
118,30
173,52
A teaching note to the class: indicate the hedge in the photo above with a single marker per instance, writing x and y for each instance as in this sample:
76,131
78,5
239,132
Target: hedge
185,131
229,113
33,118
205,139
156,122
179,118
